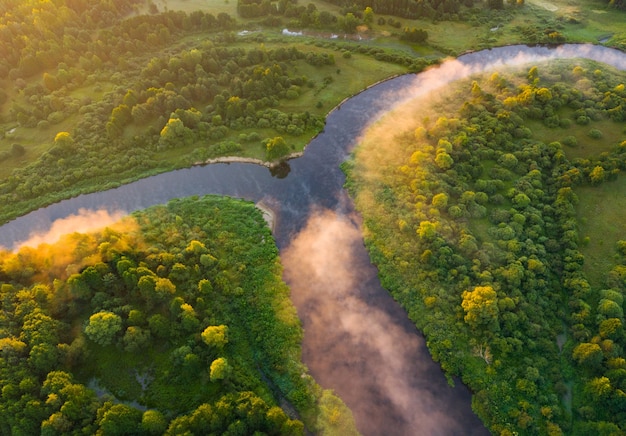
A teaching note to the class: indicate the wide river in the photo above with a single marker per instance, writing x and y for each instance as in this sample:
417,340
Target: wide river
357,340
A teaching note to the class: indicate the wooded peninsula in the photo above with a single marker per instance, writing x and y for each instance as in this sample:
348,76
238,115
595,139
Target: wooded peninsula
493,210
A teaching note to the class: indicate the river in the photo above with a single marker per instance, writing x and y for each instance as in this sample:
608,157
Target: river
357,340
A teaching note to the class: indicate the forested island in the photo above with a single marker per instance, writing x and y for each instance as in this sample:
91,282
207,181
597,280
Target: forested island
501,245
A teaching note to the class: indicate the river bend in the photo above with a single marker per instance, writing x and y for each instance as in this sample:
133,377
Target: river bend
357,340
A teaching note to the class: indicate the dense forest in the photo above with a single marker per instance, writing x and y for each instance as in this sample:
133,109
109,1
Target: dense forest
471,217
174,321
173,99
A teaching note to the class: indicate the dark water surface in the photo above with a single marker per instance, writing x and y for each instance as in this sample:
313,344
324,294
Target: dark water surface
357,340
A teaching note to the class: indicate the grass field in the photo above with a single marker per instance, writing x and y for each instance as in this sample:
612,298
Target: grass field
612,134
601,217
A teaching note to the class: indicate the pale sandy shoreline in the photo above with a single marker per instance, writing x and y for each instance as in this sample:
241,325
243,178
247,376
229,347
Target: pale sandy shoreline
268,214
240,159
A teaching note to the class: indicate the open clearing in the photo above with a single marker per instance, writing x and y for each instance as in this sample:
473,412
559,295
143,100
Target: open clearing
601,217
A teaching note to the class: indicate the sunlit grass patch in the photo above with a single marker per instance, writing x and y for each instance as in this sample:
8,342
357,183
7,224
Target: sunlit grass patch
586,145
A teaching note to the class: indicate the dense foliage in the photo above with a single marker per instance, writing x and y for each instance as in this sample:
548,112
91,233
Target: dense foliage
414,9
175,321
107,97
471,219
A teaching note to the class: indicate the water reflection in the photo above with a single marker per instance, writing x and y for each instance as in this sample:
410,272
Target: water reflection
281,170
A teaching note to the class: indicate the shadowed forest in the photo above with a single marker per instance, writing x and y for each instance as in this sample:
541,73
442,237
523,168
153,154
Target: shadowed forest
493,211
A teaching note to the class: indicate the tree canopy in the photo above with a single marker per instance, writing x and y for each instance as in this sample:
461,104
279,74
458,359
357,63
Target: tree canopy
180,310
471,216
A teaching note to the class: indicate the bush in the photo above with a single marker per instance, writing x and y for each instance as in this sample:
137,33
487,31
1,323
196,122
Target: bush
582,120
595,134
17,150
565,123
570,141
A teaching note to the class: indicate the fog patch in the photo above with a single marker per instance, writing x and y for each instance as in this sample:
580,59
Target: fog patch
360,342
493,60
84,221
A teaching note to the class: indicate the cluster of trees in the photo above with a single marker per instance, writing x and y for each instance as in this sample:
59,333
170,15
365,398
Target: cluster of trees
209,99
237,89
411,9
263,8
180,309
36,36
414,35
304,16
472,223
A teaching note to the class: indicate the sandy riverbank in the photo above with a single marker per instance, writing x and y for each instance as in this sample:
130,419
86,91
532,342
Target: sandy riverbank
240,159
268,214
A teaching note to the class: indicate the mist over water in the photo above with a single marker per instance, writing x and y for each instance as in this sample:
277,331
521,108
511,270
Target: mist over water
357,340
83,221
493,60
390,383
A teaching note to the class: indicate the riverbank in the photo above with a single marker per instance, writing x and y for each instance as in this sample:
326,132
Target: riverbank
268,214
252,160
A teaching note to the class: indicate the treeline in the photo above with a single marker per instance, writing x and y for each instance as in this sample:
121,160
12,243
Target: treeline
472,223
81,38
35,36
174,321
289,12
409,9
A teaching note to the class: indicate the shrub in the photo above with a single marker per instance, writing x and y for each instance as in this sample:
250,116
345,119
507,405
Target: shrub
582,120
595,134
17,150
570,141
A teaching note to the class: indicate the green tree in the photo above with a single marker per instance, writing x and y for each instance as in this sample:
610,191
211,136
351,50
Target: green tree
215,336
103,326
588,354
50,82
368,15
444,160
440,201
119,419
220,369
521,200
17,150
597,175
349,23
63,140
153,423
276,148
175,134
481,307
610,309
135,338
